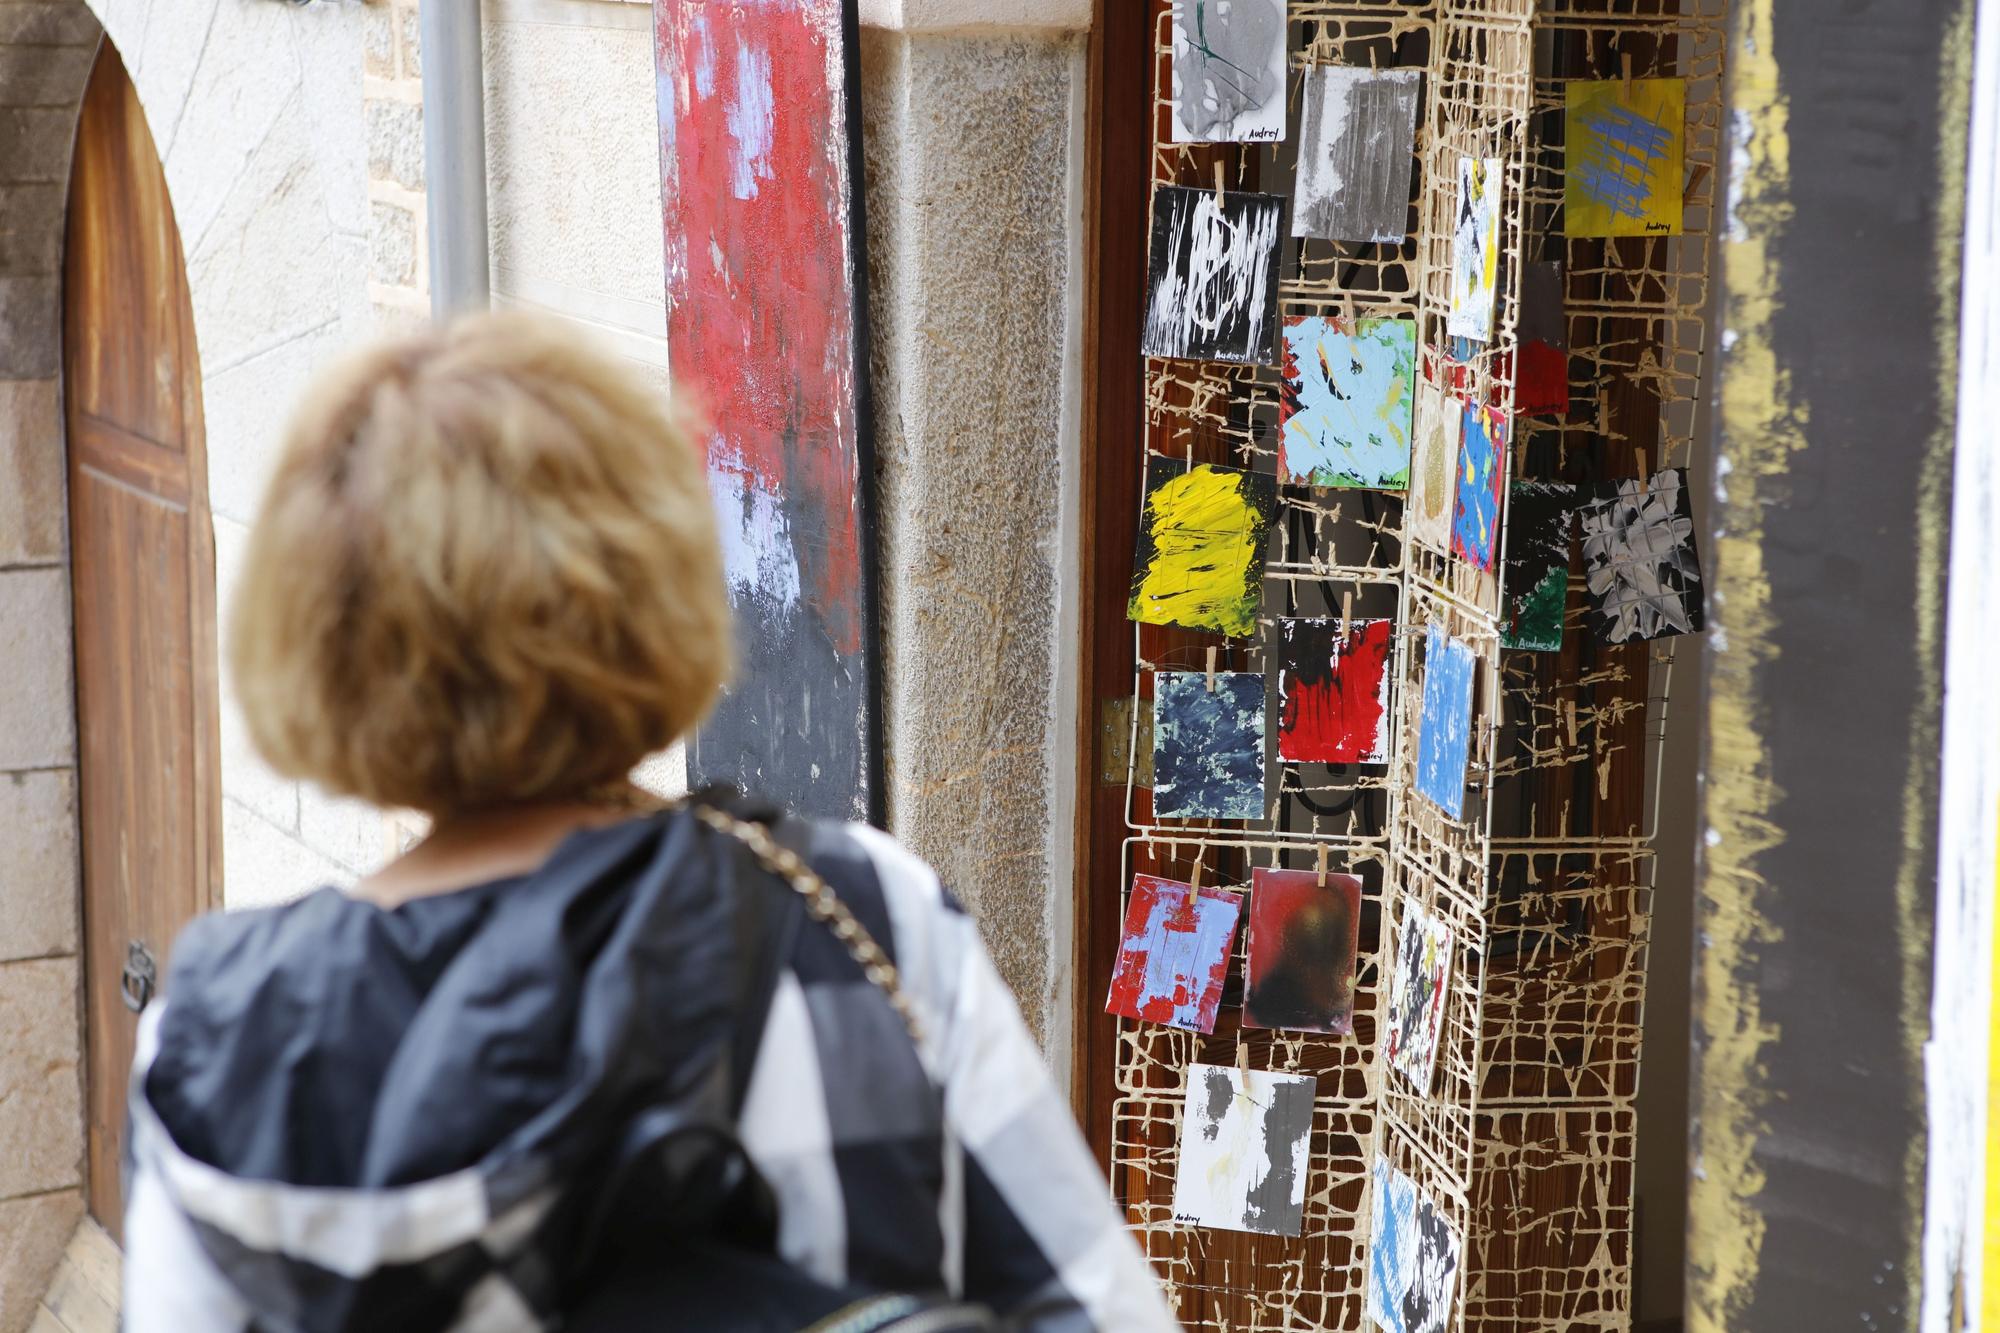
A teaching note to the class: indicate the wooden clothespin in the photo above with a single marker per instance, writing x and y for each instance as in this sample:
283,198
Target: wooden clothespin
1218,184
1346,612
1347,313
1694,181
1211,668
1373,53
1194,876
1322,865
1626,61
1644,475
1242,1055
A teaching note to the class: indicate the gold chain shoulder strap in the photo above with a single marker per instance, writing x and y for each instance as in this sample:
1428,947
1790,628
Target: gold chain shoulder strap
823,905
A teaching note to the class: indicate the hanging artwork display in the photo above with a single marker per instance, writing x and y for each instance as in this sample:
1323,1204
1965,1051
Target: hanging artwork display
1357,139
1475,511
1200,563
1243,1150
1174,954
1345,405
1434,469
1414,1257
1624,150
1208,745
1640,566
1229,71
1475,249
1540,515
1418,977
1212,278
764,275
1333,691
1444,728
1305,929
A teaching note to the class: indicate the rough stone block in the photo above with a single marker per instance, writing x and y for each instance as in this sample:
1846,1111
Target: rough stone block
30,337
37,720
41,1118
396,142
43,75
33,1233
247,74
412,44
378,42
38,875
264,865
167,55
352,834
31,227
392,245
56,23
32,511
34,142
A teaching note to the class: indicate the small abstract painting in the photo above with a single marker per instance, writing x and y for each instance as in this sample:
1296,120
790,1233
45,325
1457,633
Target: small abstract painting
1392,1245
1434,466
1333,691
1540,515
1208,745
1305,930
1475,509
1475,249
1444,728
1639,561
1543,311
1243,1150
1357,139
1434,1283
1212,276
1200,562
1229,71
1625,145
1174,954
1345,407
1541,380
1418,980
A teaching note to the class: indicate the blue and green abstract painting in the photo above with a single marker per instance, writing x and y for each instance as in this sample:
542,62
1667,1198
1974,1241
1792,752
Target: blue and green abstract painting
1347,404
1444,729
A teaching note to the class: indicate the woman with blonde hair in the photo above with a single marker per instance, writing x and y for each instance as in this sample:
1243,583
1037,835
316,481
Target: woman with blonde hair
577,1059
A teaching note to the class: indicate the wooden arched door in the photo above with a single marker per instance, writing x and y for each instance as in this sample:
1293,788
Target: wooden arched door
143,568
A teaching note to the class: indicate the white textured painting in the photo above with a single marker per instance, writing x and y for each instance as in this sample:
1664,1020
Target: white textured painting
1433,466
1475,249
1357,138
1243,1150
1229,71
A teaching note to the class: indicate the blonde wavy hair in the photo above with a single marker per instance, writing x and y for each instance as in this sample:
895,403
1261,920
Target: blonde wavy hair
486,572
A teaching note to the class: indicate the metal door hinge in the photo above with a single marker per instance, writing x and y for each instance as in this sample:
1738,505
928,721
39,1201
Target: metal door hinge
135,983
1115,741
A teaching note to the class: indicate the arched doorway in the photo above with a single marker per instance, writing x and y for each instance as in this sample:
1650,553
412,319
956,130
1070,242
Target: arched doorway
143,579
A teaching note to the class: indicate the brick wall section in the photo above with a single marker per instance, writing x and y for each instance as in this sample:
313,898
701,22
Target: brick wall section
392,93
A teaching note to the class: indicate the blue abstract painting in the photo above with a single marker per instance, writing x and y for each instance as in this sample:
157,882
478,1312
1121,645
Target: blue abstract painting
1208,745
1444,729
1475,512
1347,401
1392,1246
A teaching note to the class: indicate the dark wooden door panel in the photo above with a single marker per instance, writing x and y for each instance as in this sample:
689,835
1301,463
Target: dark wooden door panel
143,577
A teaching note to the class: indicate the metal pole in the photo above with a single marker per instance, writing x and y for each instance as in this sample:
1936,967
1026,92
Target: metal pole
455,155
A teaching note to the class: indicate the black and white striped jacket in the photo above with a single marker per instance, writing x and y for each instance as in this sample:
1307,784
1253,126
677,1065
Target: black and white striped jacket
346,1117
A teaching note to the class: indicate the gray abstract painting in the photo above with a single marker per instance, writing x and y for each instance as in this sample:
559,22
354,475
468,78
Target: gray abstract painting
1212,276
1243,1150
1229,71
1639,559
1357,148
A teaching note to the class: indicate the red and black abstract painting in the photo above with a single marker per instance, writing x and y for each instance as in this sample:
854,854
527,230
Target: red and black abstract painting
759,152
1305,929
1333,691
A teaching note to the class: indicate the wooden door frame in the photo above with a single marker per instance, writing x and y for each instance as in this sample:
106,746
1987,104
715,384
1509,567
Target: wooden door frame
1117,150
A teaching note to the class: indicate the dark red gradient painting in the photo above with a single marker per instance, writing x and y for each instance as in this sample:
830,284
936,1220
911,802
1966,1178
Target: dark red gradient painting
759,137
1305,929
1333,691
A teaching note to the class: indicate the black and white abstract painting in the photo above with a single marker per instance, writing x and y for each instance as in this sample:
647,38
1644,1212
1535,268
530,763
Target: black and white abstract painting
1434,1272
1639,561
1357,139
1413,1257
1229,71
1243,1150
1212,276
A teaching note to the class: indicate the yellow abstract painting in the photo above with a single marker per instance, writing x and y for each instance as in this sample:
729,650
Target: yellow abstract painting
1626,149
1201,547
